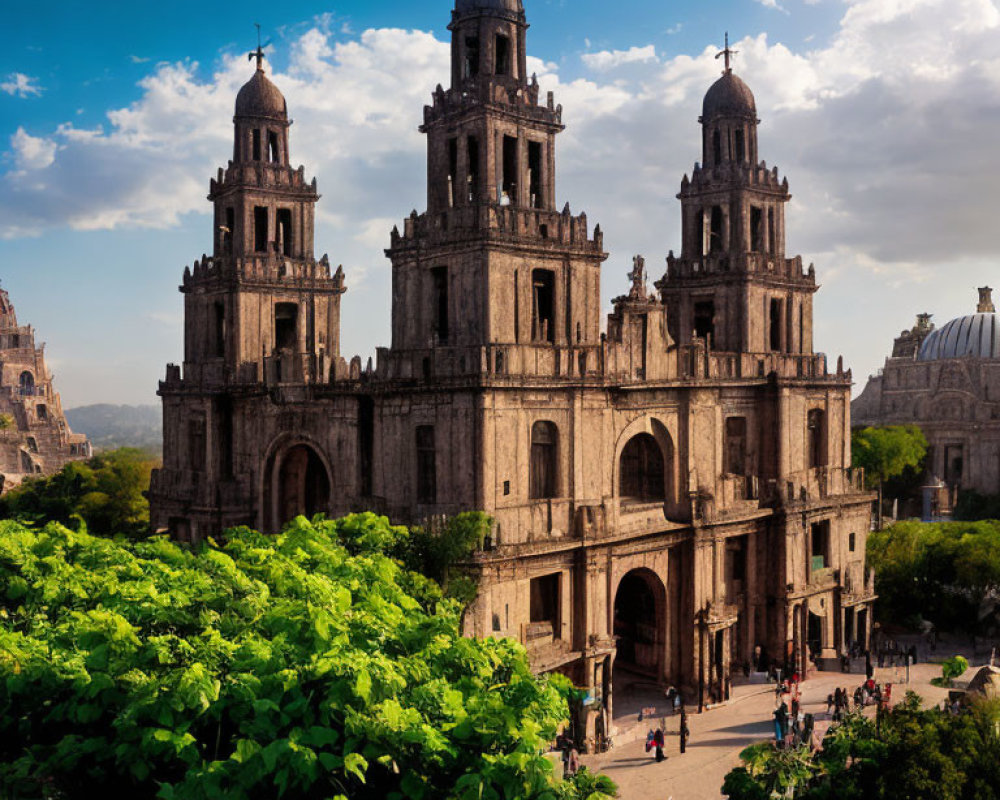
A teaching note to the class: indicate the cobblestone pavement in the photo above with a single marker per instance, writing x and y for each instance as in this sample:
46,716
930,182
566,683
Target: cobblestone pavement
718,737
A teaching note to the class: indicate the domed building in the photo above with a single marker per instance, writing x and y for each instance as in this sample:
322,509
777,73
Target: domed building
947,381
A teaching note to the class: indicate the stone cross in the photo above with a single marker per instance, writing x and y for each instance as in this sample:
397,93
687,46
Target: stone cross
728,54
259,52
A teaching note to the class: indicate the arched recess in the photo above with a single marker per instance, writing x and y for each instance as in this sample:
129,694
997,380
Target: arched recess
639,623
296,481
642,438
641,476
27,384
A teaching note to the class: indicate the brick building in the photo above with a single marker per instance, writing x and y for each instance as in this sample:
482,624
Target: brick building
669,496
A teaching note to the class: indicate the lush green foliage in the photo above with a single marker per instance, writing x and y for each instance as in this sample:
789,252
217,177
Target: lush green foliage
951,668
942,572
307,665
887,452
106,492
906,755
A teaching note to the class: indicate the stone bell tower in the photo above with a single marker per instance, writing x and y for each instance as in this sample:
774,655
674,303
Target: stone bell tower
492,260
261,332
732,285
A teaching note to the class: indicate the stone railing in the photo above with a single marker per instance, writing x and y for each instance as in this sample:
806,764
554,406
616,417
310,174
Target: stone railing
815,484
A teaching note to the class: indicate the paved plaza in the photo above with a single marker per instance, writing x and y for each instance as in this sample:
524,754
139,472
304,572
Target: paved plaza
718,736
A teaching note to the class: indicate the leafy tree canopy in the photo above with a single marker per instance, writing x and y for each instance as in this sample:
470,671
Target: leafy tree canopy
887,452
106,492
309,665
909,753
944,572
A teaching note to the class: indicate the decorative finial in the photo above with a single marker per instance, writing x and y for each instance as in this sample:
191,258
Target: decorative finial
728,54
259,52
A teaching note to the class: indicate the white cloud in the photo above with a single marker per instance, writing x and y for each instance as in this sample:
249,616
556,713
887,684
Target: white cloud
31,152
609,59
19,84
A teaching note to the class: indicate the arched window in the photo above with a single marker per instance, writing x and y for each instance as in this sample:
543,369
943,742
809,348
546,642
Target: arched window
642,473
817,438
27,384
544,454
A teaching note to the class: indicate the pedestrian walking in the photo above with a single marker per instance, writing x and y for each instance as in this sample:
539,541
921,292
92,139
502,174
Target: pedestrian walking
658,744
829,704
574,761
685,731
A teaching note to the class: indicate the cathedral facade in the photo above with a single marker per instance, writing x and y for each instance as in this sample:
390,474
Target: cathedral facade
672,496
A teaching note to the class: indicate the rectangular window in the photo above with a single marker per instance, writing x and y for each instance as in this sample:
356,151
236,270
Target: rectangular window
286,326
260,229
717,147
220,329
954,464
535,173
756,229
852,542
426,465
472,144
509,188
284,219
227,234
775,325
736,445
439,279
196,445
772,233
471,56
544,455
700,234
716,245
704,319
740,148
256,145
502,55
272,147
452,170
820,545
543,283
816,429
545,601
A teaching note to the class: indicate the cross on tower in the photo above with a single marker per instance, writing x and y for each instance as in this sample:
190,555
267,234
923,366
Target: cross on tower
259,52
728,54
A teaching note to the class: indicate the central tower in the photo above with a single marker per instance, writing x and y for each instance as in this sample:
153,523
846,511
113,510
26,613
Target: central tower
492,261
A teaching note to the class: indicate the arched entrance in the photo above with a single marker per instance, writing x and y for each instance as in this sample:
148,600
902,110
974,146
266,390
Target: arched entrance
298,485
638,623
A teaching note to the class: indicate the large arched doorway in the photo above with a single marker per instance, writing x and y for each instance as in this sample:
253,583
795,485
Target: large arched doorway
638,623
302,485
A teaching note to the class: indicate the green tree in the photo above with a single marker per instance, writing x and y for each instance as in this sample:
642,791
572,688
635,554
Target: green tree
106,492
908,753
309,665
886,453
943,572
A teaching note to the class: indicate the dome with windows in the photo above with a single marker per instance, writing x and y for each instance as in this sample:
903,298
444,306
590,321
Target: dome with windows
729,96
259,97
975,336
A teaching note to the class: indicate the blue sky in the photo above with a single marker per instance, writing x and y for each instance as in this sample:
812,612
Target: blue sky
114,116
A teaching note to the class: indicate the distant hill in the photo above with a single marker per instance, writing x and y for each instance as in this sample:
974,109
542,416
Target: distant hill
109,426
